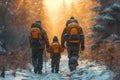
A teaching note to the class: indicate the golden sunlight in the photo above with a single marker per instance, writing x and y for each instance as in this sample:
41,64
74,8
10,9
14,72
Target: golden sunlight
59,11
55,13
54,9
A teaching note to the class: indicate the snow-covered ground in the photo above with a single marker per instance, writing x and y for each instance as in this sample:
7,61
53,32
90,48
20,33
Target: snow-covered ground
86,70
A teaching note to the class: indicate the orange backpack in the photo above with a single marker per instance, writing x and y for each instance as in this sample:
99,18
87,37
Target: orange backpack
56,47
36,35
73,32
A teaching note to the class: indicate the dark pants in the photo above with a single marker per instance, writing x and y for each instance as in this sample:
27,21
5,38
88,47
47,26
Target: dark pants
73,55
37,60
55,62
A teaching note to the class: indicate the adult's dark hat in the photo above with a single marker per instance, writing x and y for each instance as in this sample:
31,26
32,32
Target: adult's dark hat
38,22
72,17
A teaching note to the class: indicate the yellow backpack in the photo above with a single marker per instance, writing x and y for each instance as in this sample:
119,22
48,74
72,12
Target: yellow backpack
36,36
56,47
35,33
73,32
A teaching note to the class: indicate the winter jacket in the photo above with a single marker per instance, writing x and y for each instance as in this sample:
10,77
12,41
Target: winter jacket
44,39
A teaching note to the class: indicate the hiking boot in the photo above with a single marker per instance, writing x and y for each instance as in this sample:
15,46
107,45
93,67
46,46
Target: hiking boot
35,70
56,71
52,70
39,72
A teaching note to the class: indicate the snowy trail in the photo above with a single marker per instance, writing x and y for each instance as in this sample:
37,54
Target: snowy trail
85,71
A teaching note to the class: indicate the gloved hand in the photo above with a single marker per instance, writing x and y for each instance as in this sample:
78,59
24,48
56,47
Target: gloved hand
47,46
82,48
48,50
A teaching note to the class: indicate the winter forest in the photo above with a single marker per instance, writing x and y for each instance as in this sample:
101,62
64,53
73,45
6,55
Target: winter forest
100,20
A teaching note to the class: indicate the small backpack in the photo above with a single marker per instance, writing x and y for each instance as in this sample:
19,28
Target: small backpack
73,33
56,47
36,35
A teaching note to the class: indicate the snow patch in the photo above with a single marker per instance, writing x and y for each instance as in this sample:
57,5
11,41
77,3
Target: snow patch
116,5
108,9
97,27
52,77
92,71
97,9
90,35
87,70
2,50
104,17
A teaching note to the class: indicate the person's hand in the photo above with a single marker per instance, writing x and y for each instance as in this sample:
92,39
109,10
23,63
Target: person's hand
49,50
62,49
82,48
47,46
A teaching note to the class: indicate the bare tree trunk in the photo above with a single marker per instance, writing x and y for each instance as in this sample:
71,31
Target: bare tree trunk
3,72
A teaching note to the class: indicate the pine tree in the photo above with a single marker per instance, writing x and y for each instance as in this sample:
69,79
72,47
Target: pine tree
106,33
107,22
